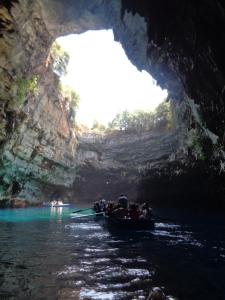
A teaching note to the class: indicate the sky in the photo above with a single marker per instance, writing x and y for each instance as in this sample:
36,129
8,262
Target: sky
107,82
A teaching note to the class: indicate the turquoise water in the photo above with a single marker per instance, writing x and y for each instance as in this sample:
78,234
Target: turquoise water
38,214
45,254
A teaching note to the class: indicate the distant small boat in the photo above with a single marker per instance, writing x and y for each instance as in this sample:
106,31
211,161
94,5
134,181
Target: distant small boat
61,205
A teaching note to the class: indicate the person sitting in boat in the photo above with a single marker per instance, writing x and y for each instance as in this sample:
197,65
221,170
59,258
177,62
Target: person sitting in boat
102,204
59,203
110,208
120,212
123,201
53,203
134,212
146,211
97,207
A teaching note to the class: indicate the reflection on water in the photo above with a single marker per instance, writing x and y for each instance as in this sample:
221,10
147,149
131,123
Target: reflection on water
55,257
56,213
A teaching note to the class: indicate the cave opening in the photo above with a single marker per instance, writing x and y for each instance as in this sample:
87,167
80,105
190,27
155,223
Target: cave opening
44,155
121,107
37,141
105,79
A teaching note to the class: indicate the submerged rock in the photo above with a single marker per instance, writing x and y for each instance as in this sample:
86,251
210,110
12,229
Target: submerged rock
156,294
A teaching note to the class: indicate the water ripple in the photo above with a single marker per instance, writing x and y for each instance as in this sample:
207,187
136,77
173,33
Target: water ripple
80,259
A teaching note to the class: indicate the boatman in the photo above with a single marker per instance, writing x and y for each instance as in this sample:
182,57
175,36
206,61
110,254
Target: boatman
122,201
102,204
146,211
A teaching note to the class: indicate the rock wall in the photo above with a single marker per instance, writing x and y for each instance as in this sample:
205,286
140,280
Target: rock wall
37,137
114,163
184,53
40,153
181,43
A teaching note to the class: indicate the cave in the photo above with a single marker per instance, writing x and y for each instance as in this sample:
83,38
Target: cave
54,252
180,44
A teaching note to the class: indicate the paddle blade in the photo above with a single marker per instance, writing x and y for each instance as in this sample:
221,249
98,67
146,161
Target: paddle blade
82,216
80,210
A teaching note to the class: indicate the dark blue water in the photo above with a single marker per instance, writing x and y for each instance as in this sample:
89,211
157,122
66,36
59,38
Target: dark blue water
45,254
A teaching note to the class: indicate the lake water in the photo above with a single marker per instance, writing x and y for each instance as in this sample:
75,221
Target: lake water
45,254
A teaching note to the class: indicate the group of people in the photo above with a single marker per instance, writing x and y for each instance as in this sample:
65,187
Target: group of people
122,209
56,203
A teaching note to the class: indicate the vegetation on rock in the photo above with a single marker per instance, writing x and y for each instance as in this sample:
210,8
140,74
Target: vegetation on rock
73,100
200,145
59,59
98,126
25,86
139,120
197,147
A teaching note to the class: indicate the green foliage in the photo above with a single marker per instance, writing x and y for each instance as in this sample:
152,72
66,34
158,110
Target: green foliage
26,86
160,119
163,115
98,126
70,94
59,59
197,145
73,99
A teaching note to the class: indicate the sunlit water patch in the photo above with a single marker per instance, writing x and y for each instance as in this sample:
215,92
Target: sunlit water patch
174,234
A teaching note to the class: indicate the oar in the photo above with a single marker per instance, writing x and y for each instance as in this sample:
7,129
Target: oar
76,217
73,212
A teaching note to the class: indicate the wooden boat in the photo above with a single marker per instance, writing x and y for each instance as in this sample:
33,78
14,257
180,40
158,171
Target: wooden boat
129,224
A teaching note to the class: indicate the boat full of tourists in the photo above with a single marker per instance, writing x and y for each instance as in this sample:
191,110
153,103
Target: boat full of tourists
121,216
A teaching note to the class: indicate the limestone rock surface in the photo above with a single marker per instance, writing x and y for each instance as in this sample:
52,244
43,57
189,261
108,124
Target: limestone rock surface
181,43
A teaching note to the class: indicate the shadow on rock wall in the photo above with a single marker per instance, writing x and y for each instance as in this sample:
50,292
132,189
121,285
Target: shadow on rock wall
175,186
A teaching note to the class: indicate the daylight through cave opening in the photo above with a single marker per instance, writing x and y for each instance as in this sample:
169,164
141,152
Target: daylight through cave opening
106,81
120,104
46,253
39,149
